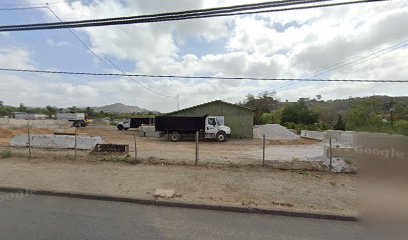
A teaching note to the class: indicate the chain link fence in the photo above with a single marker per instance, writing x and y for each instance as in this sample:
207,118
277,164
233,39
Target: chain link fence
335,151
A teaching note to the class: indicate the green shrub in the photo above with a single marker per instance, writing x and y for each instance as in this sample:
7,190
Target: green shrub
272,117
6,154
300,126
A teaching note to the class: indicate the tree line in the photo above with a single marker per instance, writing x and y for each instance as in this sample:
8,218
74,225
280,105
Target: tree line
373,114
51,111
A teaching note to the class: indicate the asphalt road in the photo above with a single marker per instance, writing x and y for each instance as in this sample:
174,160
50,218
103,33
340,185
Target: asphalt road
45,217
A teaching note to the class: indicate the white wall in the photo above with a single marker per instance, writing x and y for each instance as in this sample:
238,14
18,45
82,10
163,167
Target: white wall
317,135
49,123
56,141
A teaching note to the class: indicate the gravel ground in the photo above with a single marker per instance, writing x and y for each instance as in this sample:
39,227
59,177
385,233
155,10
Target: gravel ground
274,132
252,186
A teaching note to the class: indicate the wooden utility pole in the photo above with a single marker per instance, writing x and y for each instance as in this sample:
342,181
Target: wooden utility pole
29,140
391,112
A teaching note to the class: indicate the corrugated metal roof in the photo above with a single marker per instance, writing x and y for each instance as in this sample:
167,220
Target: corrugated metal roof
203,104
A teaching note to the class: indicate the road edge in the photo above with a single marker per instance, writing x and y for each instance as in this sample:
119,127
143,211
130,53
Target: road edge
164,203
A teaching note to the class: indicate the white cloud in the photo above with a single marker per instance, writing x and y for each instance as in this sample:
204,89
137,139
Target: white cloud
56,44
285,44
13,57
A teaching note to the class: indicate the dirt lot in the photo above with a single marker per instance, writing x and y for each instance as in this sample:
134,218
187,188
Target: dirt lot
229,173
251,186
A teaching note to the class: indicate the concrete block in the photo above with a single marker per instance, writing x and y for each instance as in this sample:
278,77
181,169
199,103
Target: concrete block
340,152
341,137
164,193
48,123
317,135
147,128
152,134
56,141
333,134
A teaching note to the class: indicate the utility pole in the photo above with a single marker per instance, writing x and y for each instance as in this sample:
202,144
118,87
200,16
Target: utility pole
178,104
390,107
391,112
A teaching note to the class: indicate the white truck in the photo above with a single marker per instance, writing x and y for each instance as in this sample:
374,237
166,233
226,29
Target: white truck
178,127
77,119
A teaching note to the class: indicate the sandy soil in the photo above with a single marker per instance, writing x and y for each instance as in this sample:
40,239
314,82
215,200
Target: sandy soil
7,134
252,186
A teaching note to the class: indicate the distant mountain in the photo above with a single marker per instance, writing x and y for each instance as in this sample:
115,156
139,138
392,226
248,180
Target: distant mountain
120,108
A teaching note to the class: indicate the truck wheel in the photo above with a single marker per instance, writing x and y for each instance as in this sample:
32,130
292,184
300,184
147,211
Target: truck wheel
120,127
175,136
76,124
83,124
221,136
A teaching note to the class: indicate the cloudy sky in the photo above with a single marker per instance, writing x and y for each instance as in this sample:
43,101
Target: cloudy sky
368,41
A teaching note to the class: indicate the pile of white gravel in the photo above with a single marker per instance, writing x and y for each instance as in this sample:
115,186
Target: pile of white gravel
274,132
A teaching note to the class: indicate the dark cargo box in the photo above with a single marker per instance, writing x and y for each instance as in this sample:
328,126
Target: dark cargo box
137,122
180,124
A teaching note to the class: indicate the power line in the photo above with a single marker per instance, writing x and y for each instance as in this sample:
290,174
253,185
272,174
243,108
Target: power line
190,13
36,4
127,75
184,15
371,56
20,8
342,63
76,36
110,62
201,77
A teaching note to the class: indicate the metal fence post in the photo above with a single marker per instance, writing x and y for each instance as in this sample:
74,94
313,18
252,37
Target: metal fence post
29,140
263,150
196,151
134,137
75,144
330,153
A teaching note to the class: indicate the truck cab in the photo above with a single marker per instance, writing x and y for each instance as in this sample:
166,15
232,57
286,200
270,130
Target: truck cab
216,130
125,125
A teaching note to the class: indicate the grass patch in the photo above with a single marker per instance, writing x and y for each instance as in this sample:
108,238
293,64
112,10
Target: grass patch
304,173
295,159
6,154
348,161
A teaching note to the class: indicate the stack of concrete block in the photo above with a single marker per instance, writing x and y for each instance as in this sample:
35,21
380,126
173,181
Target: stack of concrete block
346,138
56,141
317,135
148,131
49,123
